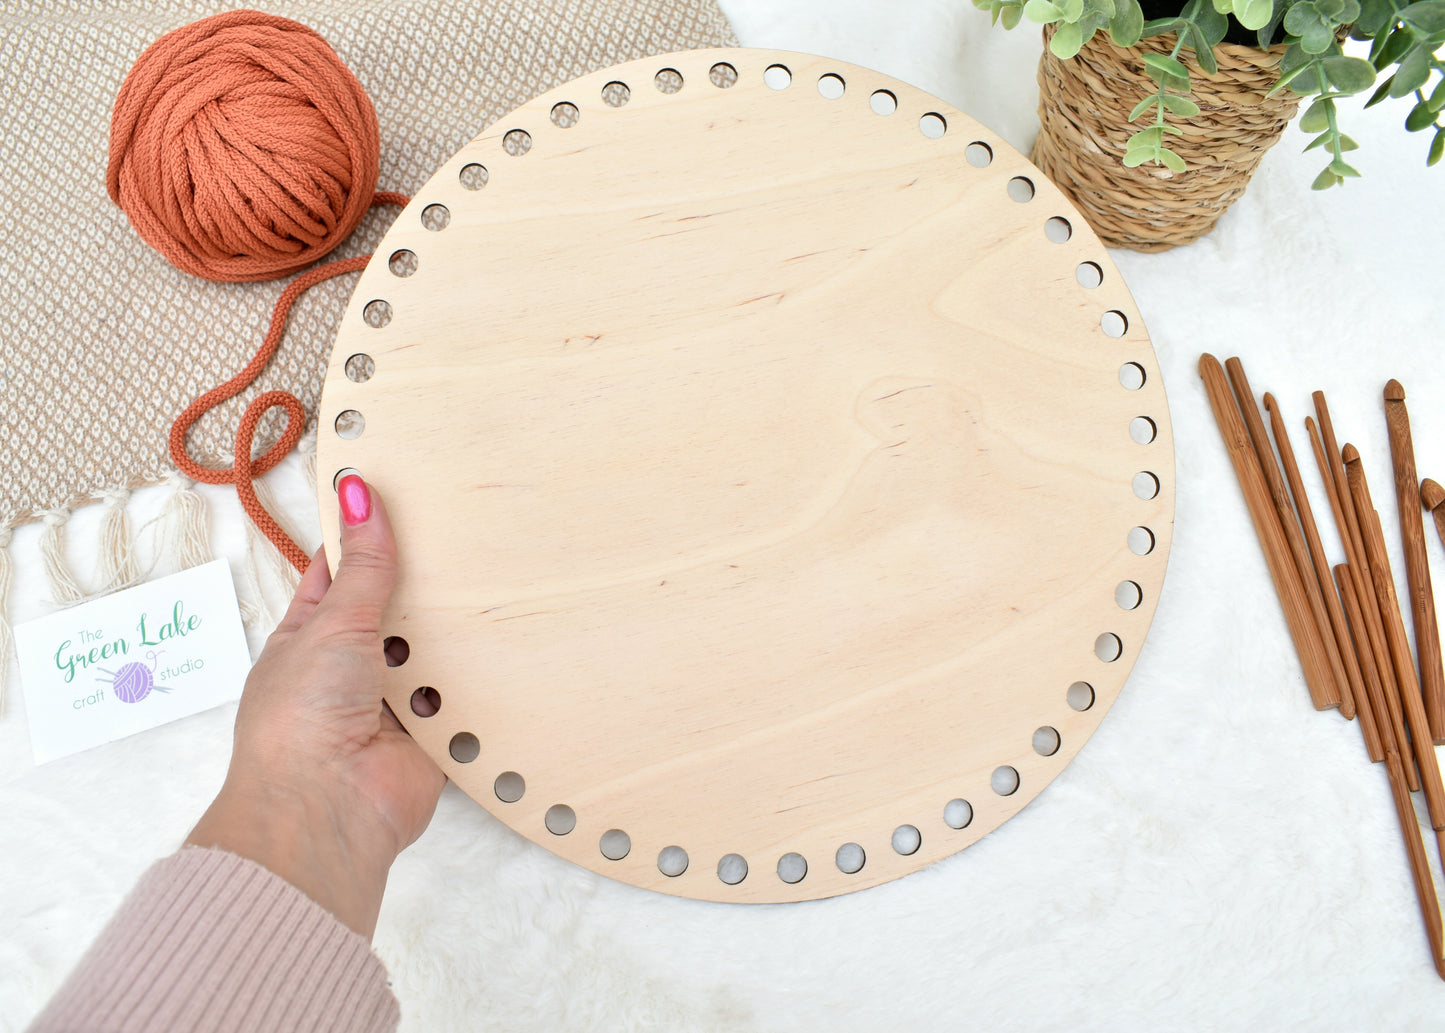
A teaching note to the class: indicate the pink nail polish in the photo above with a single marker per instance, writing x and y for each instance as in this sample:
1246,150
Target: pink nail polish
355,500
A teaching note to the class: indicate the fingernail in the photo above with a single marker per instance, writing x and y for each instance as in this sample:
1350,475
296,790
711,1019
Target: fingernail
355,500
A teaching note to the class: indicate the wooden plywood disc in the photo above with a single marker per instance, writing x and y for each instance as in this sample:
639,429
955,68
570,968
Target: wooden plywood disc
781,471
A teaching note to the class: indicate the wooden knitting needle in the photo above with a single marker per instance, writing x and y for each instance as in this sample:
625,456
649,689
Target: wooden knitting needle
1307,641
1417,567
1327,453
1409,687
1336,684
1399,792
1353,686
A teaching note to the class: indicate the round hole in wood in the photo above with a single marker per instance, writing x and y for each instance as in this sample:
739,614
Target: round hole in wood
831,86
396,650
1058,229
402,263
1021,189
346,471
464,747
615,94
509,787
933,125
360,368
723,75
1046,741
958,814
732,869
672,861
1114,323
850,858
1143,430
517,142
560,819
1108,647
474,176
978,154
436,217
1146,485
1141,541
615,844
1128,595
564,114
1089,274
426,701
778,77
668,80
1005,780
882,102
1080,696
792,867
349,424
377,313
1132,376
906,840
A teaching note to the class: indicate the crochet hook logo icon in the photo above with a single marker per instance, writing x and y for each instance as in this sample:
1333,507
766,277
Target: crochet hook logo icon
134,681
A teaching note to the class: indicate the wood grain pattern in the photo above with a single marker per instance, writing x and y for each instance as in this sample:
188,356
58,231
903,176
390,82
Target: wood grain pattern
1308,642
1405,677
761,469
1417,566
1353,685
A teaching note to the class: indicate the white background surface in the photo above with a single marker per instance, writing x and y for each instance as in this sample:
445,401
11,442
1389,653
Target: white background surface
1219,856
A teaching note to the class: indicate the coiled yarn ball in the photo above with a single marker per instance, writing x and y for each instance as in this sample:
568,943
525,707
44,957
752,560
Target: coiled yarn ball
241,148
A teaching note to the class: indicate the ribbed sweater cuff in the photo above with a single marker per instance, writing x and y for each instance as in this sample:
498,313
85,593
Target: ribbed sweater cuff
211,941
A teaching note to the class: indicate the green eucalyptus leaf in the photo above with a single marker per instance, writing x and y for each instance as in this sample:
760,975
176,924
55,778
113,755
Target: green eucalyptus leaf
1072,10
1133,159
1437,147
1401,40
1373,16
1213,24
1349,74
1437,99
1068,38
1174,130
1299,18
1427,16
1420,117
1203,50
1171,160
1381,93
1166,65
1316,118
1127,24
1181,106
1347,144
1413,72
1330,9
1253,14
1319,141
1299,79
1349,13
1011,15
1325,180
1043,12
1143,106
1224,7
1150,137
1159,26
1339,168
1318,38
1105,9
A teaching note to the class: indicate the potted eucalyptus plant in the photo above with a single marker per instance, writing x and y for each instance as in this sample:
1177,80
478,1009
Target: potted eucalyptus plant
1155,112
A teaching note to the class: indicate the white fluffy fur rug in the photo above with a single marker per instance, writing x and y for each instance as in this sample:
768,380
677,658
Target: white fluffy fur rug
1219,857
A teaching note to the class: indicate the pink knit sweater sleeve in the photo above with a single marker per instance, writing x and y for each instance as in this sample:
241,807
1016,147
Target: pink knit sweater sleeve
211,941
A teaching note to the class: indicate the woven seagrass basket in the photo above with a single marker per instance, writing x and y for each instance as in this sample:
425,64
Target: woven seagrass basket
1084,106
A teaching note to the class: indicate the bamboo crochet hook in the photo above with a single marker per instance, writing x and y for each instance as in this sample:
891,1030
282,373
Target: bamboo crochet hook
1417,567
1305,632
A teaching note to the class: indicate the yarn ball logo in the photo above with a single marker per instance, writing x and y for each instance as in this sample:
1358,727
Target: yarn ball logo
134,681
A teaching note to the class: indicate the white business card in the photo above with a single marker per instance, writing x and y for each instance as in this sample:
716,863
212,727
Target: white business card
132,660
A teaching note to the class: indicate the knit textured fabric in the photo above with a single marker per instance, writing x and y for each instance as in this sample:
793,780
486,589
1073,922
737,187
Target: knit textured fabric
102,341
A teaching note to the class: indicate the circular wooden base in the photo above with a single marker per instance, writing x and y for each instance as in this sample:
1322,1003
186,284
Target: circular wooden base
781,471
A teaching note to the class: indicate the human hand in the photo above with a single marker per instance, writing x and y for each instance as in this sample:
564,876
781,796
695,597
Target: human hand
325,788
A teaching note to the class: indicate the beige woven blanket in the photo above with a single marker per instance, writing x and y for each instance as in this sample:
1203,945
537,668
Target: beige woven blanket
102,342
